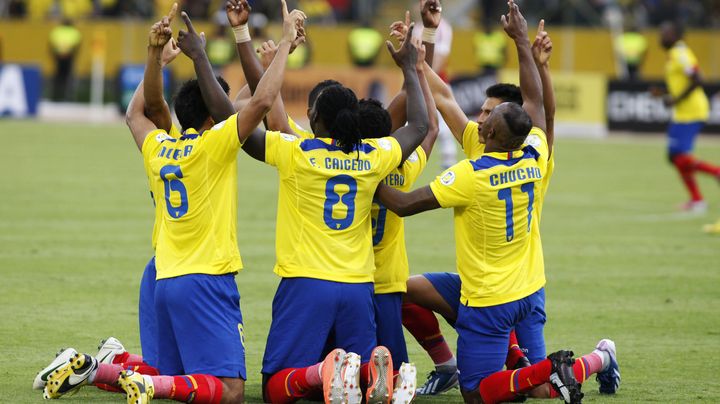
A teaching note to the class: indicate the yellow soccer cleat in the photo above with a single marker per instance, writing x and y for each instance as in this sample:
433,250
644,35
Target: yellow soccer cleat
139,388
712,228
70,376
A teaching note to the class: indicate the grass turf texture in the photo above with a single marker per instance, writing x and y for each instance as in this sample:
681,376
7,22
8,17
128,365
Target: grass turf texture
75,223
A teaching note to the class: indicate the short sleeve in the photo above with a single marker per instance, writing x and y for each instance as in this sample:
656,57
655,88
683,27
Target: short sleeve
414,164
389,154
221,142
471,140
537,139
299,130
153,142
455,187
279,148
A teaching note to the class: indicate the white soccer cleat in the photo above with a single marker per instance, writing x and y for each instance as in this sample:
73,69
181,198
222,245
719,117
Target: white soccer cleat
61,358
351,379
108,348
404,392
332,377
694,207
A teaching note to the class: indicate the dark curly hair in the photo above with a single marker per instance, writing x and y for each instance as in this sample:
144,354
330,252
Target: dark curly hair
337,108
374,120
190,108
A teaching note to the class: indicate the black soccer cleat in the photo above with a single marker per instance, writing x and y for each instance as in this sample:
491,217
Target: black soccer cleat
563,379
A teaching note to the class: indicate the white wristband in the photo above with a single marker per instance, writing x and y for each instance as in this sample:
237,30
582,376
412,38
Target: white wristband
242,33
428,35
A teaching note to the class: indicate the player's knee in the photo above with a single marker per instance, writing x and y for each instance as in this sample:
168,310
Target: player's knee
672,156
233,392
471,397
415,285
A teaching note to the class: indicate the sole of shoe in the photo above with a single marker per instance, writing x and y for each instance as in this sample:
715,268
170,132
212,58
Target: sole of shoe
62,358
351,379
135,393
381,377
56,380
332,377
404,393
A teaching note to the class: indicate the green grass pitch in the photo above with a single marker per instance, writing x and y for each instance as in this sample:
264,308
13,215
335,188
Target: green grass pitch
75,220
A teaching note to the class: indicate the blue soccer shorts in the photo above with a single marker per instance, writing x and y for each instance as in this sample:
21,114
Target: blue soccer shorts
388,317
307,312
146,315
681,137
483,336
448,285
200,328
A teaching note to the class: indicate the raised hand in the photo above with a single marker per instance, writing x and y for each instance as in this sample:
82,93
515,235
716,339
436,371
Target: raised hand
160,33
417,43
299,39
514,23
170,52
191,43
292,22
542,46
399,29
407,55
267,53
238,12
431,13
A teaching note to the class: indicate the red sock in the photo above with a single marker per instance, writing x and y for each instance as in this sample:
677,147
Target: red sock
684,164
198,389
364,375
142,368
505,385
707,168
514,352
107,374
126,357
583,368
290,385
424,326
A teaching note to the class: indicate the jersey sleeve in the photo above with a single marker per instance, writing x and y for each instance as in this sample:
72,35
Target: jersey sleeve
685,58
389,154
153,142
414,165
299,130
279,148
222,143
455,187
471,140
537,139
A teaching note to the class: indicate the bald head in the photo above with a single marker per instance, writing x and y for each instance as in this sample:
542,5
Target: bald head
507,127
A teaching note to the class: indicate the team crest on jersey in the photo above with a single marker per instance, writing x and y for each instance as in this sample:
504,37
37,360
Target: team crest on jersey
413,157
384,144
287,137
161,137
533,140
448,178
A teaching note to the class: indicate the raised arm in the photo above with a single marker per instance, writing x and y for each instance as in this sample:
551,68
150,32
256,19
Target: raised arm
412,135
214,97
135,118
542,49
156,109
530,85
407,204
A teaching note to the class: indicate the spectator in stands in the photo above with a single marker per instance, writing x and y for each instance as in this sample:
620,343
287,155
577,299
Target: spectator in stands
490,48
64,41
632,46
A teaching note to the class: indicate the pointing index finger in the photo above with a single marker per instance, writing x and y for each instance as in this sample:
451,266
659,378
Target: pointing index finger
541,26
172,13
284,8
188,23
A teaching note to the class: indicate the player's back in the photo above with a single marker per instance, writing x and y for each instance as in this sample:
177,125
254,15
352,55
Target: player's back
681,65
499,253
197,175
324,202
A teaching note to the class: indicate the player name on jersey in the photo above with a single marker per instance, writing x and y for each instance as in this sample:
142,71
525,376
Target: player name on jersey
520,174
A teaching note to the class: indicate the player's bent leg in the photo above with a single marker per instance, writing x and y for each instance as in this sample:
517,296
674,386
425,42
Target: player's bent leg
530,330
436,292
388,318
146,315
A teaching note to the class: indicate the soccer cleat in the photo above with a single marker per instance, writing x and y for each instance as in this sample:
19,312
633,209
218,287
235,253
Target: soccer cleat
332,376
107,350
609,379
438,382
404,393
61,358
138,388
562,377
694,207
380,382
351,379
70,376
523,362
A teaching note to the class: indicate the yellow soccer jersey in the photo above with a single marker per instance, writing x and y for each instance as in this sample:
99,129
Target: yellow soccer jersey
681,64
324,202
391,262
498,248
299,130
471,141
196,174
157,194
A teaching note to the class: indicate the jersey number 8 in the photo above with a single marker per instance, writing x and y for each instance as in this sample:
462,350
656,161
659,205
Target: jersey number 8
332,198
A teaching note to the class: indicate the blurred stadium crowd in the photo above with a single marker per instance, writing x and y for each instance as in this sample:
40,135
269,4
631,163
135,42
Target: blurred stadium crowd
639,13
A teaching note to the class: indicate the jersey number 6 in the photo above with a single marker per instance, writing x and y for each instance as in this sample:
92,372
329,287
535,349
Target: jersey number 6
332,198
174,185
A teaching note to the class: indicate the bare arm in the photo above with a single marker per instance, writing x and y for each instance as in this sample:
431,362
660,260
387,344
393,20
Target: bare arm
277,118
434,127
542,49
451,112
160,38
530,84
407,204
135,118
